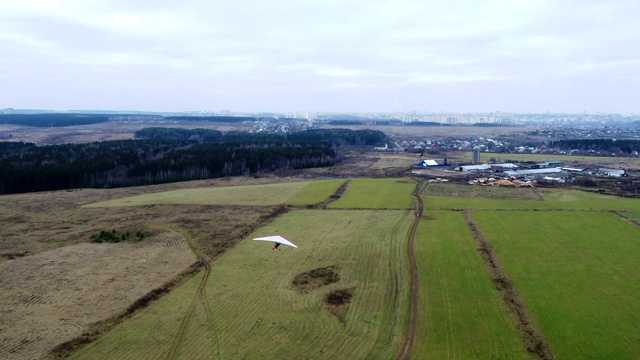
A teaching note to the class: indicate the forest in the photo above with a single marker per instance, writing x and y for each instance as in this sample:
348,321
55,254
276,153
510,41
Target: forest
162,155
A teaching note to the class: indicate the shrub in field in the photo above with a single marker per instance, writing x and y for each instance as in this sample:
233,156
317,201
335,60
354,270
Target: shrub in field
113,237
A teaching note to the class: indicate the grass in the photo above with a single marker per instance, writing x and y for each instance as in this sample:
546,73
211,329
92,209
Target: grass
377,194
632,215
255,311
315,192
269,194
554,199
485,157
578,276
461,315
149,333
258,312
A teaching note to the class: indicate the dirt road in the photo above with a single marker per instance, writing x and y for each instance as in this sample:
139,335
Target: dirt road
412,321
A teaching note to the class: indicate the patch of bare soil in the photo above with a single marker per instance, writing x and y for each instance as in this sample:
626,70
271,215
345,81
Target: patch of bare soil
338,301
313,279
533,341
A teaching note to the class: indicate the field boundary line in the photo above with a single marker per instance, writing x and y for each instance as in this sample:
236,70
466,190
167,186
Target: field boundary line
631,221
199,295
412,319
336,195
533,341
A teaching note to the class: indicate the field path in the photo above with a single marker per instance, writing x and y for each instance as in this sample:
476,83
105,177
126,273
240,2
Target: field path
198,297
533,341
412,320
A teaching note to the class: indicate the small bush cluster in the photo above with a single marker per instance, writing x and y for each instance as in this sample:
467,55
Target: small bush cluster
113,237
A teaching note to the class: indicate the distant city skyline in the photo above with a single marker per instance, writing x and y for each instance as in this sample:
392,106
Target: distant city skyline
330,56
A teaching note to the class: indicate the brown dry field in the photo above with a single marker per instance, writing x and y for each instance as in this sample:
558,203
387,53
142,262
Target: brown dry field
112,130
56,285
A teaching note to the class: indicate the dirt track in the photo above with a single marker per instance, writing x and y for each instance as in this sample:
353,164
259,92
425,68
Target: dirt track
412,320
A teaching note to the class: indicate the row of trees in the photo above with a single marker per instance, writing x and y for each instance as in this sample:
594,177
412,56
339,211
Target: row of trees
163,155
607,145
52,120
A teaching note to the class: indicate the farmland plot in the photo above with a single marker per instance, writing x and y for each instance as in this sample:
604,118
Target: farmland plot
149,333
54,296
251,309
578,274
257,311
554,199
315,192
461,315
269,194
377,194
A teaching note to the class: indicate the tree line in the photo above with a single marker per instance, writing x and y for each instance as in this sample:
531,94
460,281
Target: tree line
608,145
52,120
161,155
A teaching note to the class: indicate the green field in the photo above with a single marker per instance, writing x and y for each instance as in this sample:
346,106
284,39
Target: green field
270,194
484,192
632,215
461,315
579,275
255,311
315,192
486,157
377,194
558,199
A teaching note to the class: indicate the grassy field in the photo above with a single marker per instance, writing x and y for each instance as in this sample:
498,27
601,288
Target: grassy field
477,197
315,192
484,192
633,215
461,315
377,194
275,321
578,275
485,157
269,194
256,312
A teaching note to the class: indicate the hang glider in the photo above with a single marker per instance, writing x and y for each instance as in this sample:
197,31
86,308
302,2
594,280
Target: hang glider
277,239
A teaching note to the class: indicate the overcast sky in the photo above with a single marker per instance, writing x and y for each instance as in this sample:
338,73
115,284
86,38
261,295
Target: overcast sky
321,55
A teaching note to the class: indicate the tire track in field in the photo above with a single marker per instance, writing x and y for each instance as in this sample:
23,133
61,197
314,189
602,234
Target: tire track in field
531,338
199,296
412,320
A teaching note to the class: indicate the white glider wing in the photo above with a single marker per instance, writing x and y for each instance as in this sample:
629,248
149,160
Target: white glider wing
277,239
